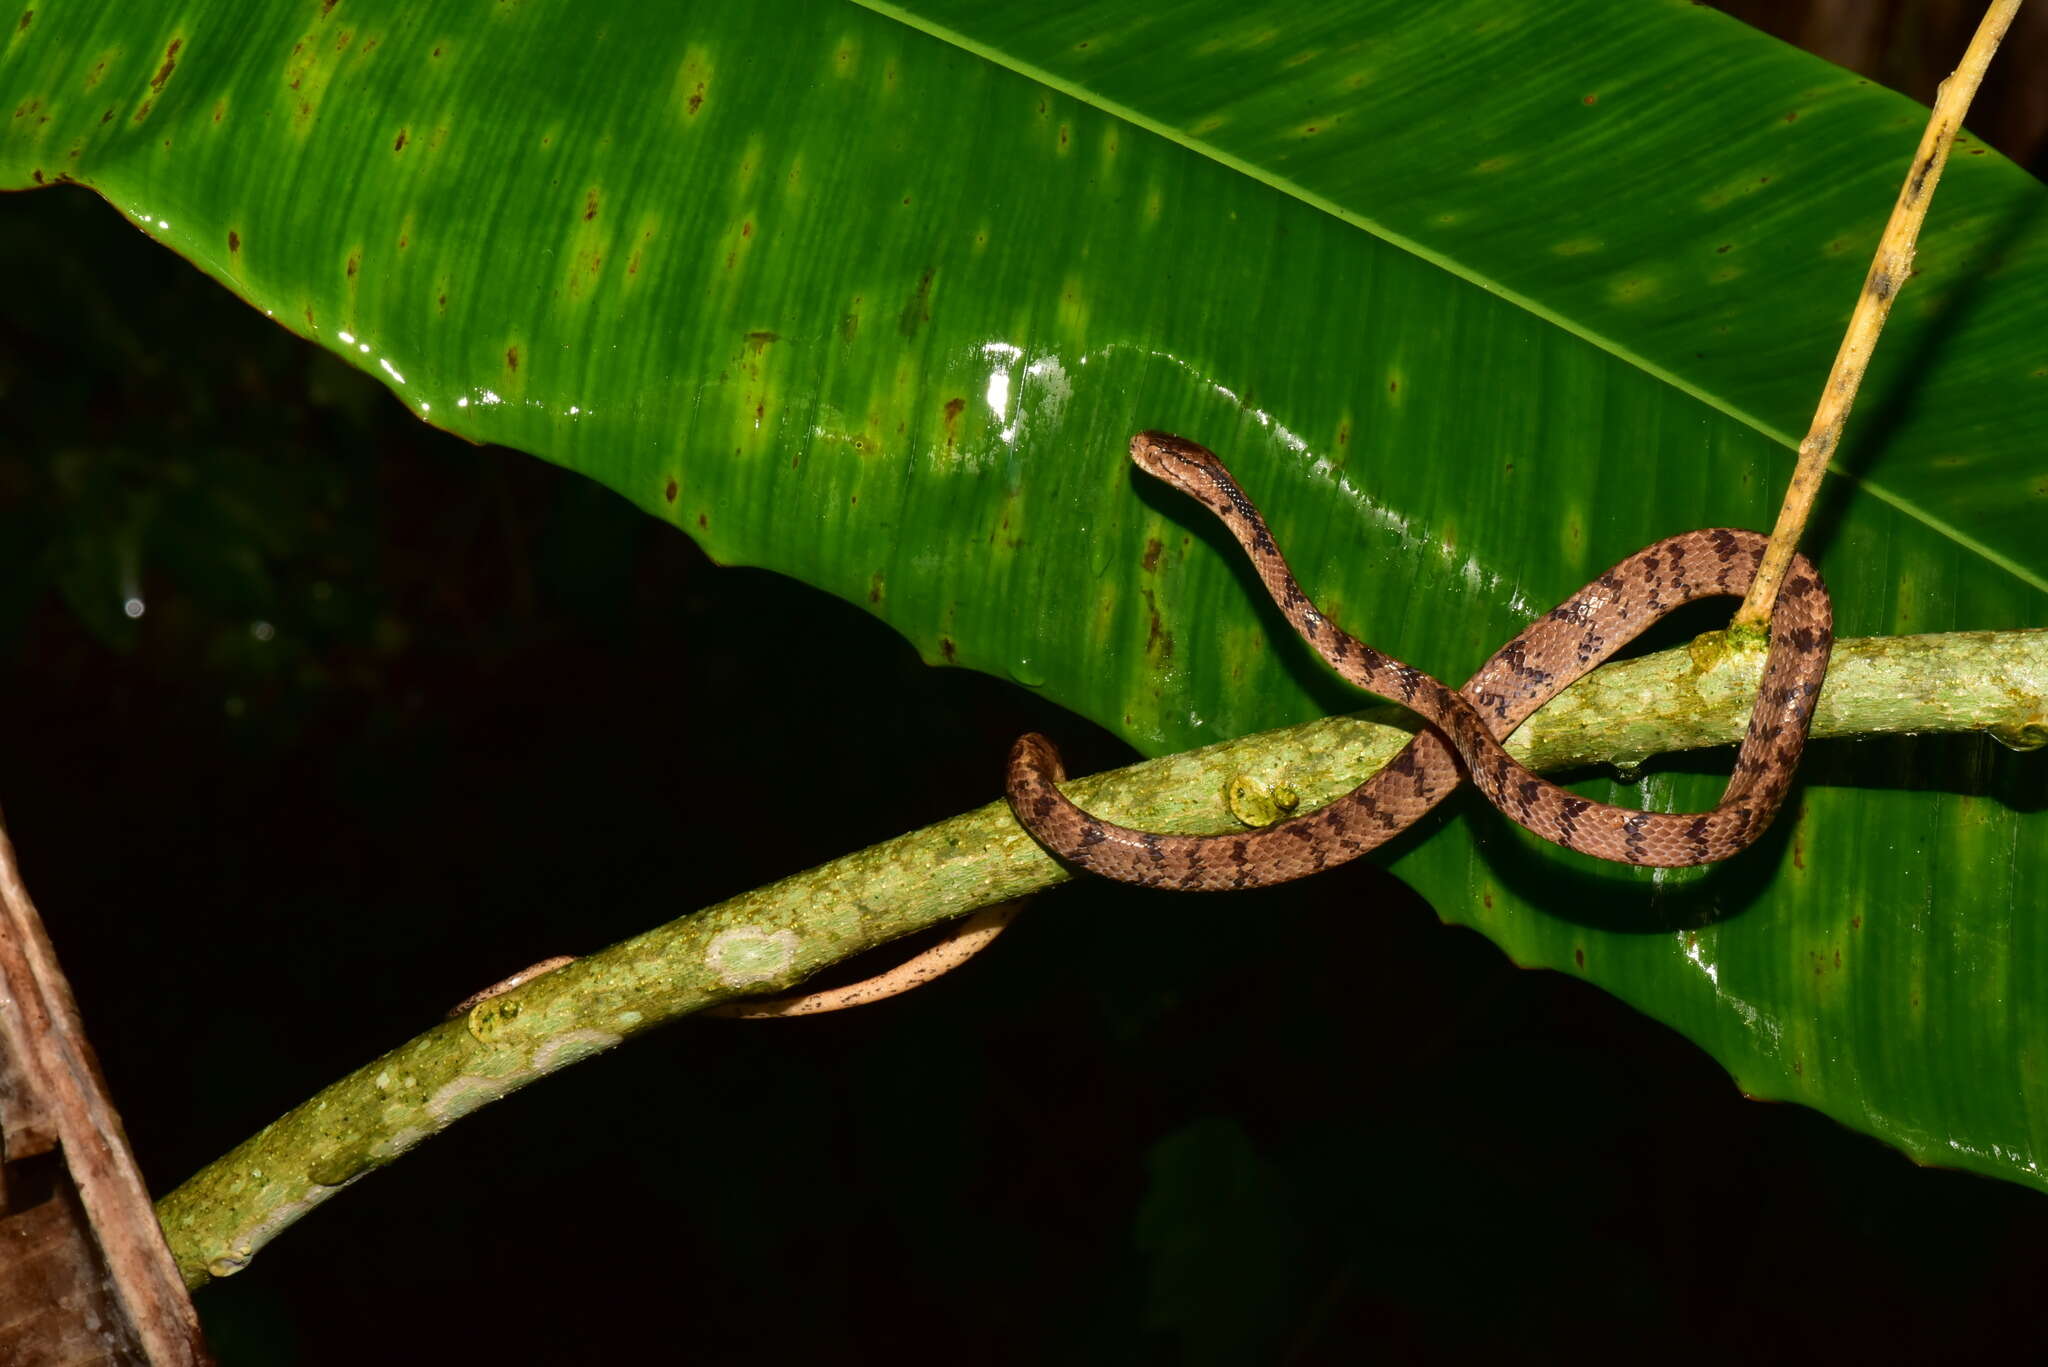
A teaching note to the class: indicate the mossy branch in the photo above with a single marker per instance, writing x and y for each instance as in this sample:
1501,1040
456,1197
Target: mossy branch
773,938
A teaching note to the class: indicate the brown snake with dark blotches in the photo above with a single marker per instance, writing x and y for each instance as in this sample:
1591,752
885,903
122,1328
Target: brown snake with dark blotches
1522,675
1466,726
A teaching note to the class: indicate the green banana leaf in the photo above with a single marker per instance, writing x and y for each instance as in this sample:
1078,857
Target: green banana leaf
1476,298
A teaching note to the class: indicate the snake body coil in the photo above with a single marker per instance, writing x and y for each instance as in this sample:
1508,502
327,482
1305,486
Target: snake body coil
1468,725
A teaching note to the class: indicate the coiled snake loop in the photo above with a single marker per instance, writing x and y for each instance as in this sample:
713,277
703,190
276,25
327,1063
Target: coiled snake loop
1467,726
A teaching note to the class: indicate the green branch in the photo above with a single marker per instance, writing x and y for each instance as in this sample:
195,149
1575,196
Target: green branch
772,939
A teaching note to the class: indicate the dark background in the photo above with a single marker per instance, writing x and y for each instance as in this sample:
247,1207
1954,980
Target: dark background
402,715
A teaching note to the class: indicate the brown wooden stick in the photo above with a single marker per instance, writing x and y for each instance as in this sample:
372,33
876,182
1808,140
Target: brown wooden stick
1889,270
94,1242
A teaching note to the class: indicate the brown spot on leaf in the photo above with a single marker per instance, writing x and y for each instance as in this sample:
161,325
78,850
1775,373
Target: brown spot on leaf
1158,640
163,73
917,310
511,358
703,521
696,100
590,204
355,262
954,407
1791,115
671,492
1579,957
1150,560
875,588
143,112
398,143
948,649
1589,99
26,15
758,341
234,240
849,328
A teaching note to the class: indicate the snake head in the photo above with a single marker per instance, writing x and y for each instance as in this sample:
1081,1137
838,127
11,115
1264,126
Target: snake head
1174,459
1194,470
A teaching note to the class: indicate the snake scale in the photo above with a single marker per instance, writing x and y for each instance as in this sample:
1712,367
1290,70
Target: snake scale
1467,726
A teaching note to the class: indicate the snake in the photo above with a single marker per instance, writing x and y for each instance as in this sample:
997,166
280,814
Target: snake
1465,728
1462,739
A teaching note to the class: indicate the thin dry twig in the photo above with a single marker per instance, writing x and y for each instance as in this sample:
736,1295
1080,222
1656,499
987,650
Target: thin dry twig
1889,270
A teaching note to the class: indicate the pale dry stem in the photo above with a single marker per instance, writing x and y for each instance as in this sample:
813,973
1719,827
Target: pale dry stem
1889,271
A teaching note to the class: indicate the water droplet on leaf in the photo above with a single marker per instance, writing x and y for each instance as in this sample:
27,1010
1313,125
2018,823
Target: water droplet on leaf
2023,737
